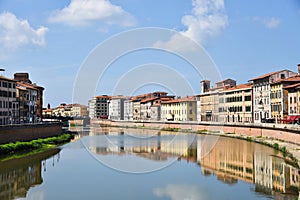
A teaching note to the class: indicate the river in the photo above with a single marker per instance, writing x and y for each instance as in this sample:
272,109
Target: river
113,163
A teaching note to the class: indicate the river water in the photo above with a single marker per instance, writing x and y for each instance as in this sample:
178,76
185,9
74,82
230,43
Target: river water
113,163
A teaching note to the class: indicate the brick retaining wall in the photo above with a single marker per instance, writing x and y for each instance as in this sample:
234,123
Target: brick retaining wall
13,133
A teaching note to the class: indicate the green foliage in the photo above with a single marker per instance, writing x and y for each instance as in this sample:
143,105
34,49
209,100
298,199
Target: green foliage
13,147
202,131
276,146
170,129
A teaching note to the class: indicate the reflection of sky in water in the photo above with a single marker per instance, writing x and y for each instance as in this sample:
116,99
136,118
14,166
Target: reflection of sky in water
78,175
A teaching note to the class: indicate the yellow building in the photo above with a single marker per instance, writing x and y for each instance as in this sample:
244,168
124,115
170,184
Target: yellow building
183,109
279,98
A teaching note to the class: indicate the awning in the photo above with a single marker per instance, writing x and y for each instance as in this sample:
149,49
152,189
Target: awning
292,118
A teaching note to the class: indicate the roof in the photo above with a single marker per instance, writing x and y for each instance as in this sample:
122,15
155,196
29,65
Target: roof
149,99
240,86
21,88
290,79
119,97
7,79
269,74
296,85
222,81
27,85
103,96
185,99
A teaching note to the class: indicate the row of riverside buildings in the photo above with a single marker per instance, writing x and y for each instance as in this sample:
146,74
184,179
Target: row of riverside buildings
21,101
272,97
66,110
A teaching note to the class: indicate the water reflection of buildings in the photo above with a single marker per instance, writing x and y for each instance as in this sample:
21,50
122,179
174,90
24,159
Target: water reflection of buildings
229,159
273,174
18,175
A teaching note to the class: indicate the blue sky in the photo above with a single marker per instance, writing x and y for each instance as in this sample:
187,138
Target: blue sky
52,39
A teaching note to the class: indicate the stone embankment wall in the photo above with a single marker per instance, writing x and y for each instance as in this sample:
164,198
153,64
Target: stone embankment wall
13,133
271,131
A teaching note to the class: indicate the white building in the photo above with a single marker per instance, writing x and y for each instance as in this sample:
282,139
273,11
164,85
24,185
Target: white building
262,93
9,106
116,108
128,110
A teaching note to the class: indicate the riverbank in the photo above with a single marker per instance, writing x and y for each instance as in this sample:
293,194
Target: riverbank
18,149
282,139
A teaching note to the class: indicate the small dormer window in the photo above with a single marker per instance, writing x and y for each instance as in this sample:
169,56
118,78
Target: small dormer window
282,76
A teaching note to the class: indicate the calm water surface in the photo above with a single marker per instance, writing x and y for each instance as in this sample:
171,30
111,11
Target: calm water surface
111,163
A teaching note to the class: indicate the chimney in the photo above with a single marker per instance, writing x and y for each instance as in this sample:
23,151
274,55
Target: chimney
205,86
23,77
298,69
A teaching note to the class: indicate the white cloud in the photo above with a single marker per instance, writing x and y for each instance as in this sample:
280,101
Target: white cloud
15,33
207,19
184,191
270,22
83,12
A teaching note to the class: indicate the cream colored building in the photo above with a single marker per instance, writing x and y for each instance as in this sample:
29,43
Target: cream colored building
183,109
78,110
237,104
211,99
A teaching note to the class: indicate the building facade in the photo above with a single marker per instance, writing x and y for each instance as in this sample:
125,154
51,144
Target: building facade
23,78
182,109
9,106
98,107
27,98
293,99
237,103
280,103
262,93
116,108
128,109
78,110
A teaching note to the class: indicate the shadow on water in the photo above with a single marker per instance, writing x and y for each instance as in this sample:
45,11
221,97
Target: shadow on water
18,175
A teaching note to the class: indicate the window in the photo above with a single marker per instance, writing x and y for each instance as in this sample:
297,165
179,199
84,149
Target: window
248,108
291,99
248,98
295,99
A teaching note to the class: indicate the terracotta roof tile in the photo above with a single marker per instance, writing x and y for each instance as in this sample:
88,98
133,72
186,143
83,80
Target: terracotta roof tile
292,86
269,74
240,86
